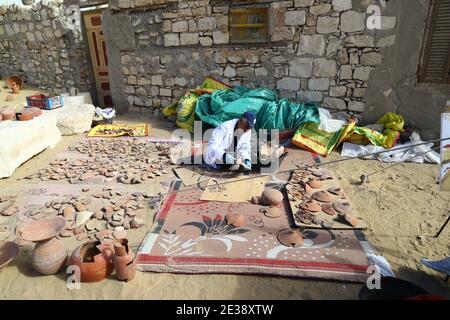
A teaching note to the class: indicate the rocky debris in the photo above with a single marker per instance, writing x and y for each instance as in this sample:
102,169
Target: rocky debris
7,207
102,219
125,161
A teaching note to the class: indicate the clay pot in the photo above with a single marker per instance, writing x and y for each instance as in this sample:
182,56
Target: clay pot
272,197
236,219
26,116
291,237
342,207
15,88
14,80
123,261
328,209
8,113
8,251
94,260
49,256
354,222
36,112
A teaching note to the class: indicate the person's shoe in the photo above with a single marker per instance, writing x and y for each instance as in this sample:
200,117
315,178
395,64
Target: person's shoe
442,266
247,165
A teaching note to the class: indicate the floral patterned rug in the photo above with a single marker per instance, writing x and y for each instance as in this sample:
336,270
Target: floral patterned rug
192,236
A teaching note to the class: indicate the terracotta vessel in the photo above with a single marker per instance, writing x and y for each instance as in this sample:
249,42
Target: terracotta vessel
273,212
49,257
8,251
236,219
123,261
36,112
14,80
311,205
315,184
15,89
94,260
272,197
26,116
9,113
291,237
49,254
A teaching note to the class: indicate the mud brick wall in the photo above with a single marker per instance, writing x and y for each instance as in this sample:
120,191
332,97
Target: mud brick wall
43,43
318,50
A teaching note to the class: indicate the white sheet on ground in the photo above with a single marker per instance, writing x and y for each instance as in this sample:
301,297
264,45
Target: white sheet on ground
392,155
21,140
327,123
80,98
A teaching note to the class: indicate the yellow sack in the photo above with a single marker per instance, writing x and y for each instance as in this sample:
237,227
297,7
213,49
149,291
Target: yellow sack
186,111
309,137
393,124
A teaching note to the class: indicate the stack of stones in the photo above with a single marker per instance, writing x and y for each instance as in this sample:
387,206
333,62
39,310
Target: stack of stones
318,50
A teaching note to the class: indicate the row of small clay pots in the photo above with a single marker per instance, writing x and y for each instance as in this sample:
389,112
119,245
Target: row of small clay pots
25,115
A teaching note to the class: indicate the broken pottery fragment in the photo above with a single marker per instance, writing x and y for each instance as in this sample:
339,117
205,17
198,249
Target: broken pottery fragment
95,261
291,237
315,184
8,251
338,191
82,217
310,205
328,209
123,261
323,196
342,207
235,219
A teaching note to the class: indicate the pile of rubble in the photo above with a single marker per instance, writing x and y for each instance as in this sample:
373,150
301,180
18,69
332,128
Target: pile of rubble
104,216
126,161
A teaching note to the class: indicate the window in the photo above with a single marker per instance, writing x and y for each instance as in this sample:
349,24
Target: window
435,67
248,24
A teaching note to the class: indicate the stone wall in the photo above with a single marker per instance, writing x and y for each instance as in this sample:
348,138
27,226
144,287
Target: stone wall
318,50
43,43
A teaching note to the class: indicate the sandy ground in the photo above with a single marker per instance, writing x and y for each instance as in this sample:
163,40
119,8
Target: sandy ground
402,207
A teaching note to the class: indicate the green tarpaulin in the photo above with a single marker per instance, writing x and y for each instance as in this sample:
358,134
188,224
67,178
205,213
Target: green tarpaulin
271,112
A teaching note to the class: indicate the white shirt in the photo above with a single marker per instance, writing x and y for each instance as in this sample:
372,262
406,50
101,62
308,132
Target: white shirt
222,140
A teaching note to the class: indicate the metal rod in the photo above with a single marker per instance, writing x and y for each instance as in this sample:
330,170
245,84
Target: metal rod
442,228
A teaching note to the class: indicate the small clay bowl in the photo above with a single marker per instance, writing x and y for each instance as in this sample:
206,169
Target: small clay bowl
291,237
26,116
323,196
41,230
8,251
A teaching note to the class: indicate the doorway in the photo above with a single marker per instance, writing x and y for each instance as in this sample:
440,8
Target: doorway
99,57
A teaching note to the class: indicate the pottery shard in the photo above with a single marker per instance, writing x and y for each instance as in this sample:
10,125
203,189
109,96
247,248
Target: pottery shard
68,212
354,222
126,224
273,212
336,191
328,209
79,207
87,175
311,205
98,215
315,184
120,234
92,225
323,196
136,223
342,207
78,231
82,236
103,234
236,219
291,237
108,210
12,210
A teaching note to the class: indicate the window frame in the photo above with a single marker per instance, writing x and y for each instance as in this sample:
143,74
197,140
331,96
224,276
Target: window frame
428,35
249,6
